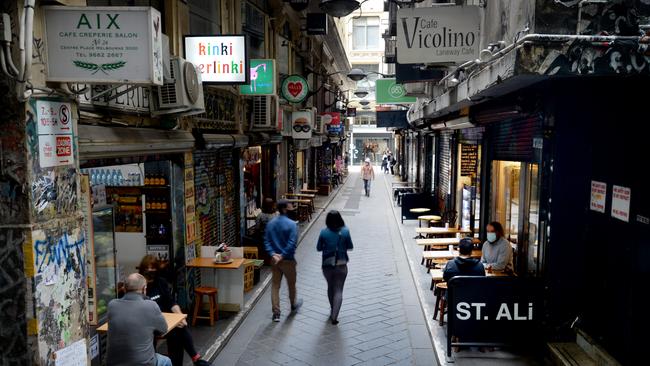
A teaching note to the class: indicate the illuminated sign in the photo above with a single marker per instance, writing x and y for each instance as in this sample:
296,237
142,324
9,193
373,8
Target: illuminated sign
221,59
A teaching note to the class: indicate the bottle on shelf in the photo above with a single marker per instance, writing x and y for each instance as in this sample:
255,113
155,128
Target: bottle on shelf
147,179
163,181
147,205
93,177
120,178
163,204
158,204
101,179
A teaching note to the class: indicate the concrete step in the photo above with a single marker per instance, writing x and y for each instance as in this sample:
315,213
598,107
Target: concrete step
569,354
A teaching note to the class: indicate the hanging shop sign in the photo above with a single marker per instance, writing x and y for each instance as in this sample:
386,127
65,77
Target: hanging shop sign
298,5
392,119
294,88
390,92
316,23
621,203
301,123
598,196
438,35
468,160
104,45
492,310
333,122
221,59
262,78
55,132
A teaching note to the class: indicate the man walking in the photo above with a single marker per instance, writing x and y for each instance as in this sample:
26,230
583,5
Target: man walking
280,240
132,322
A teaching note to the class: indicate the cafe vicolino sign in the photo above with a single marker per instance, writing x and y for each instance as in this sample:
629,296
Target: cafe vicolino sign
104,45
438,35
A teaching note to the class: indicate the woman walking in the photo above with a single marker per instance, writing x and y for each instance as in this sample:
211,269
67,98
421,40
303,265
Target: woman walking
334,241
367,174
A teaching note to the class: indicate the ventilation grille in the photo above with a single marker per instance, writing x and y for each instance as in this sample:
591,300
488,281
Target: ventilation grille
261,115
168,95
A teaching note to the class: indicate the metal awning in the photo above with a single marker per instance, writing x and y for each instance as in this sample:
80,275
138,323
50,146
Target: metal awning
221,141
97,142
535,58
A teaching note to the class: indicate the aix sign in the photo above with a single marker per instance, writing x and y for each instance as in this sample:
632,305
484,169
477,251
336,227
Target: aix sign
104,45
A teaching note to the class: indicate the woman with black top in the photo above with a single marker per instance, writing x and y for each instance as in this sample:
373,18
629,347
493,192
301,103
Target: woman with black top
179,338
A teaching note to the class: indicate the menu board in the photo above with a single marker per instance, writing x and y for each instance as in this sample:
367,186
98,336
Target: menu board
468,160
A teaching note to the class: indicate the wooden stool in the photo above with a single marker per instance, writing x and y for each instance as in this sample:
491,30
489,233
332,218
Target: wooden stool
441,303
251,252
303,213
436,277
211,293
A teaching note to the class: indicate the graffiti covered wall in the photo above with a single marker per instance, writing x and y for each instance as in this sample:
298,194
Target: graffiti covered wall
59,268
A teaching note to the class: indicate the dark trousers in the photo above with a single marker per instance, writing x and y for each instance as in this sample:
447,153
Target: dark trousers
178,340
335,277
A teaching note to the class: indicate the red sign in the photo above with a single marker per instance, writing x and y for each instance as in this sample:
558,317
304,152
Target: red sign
331,118
63,146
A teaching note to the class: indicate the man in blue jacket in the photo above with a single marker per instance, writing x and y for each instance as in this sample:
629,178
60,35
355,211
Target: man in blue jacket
463,265
280,239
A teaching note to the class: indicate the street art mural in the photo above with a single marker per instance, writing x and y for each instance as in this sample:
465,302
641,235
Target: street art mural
59,268
13,284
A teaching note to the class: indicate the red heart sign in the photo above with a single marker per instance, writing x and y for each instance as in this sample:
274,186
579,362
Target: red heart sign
294,88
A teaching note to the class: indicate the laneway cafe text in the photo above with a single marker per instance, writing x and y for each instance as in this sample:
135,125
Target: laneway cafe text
221,59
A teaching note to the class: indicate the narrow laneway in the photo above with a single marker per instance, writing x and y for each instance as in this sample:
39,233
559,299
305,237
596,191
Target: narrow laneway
381,321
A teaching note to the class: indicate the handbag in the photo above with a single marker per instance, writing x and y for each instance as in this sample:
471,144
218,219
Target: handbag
331,261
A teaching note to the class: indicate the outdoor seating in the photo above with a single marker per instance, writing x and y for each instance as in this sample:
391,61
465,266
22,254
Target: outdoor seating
213,308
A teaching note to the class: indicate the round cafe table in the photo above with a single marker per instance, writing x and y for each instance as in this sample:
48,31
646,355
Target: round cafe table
428,218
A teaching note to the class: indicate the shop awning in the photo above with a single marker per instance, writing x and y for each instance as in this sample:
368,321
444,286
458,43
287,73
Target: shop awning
97,142
221,141
535,58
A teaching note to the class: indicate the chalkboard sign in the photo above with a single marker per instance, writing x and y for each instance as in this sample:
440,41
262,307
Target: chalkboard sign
468,160
493,310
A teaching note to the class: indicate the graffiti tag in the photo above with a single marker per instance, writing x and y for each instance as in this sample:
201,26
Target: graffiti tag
59,252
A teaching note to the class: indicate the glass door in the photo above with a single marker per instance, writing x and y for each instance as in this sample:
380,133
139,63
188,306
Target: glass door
105,268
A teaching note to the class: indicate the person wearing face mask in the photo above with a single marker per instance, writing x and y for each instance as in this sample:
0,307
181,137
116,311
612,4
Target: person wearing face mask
497,253
179,338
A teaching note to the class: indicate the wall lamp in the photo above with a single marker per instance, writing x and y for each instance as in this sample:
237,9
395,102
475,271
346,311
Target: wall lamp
358,74
361,94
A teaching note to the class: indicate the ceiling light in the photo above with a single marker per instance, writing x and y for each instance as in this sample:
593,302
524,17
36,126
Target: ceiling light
339,8
361,93
356,74
364,102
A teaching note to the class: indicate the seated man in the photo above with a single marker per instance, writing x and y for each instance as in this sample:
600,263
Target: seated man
132,321
463,265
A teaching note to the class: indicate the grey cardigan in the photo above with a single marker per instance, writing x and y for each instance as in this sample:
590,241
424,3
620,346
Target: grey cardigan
132,323
498,255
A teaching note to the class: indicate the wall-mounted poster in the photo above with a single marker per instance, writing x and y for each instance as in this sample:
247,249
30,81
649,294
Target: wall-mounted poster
598,196
621,203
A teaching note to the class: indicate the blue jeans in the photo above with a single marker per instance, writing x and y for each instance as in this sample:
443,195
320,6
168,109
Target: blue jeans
366,186
162,360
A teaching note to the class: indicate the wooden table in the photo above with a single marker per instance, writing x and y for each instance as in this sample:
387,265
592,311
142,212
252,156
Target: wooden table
442,241
172,319
229,281
446,254
440,231
306,195
310,191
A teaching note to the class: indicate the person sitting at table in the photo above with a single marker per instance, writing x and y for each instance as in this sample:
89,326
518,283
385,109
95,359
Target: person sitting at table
464,264
497,253
179,338
133,321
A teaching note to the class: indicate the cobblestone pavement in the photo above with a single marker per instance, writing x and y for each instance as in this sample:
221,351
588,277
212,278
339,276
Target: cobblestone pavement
381,321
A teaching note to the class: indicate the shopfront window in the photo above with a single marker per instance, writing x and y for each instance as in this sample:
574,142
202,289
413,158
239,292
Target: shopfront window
515,203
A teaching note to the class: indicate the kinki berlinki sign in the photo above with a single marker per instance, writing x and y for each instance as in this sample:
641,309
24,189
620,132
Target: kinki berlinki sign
104,45
438,35
221,59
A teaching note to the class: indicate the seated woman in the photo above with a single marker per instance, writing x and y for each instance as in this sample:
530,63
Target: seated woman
179,338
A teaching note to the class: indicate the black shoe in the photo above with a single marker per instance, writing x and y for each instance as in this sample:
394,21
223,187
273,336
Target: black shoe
202,363
276,317
334,322
296,306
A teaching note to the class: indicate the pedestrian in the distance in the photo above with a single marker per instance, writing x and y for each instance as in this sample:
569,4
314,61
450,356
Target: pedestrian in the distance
367,174
384,164
393,162
335,241
280,239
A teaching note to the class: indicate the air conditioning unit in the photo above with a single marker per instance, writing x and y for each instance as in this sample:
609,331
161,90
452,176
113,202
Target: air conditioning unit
416,89
183,93
265,109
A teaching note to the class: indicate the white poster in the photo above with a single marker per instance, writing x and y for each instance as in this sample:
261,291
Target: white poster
73,355
621,203
438,35
598,196
94,347
55,150
53,117
159,251
104,45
